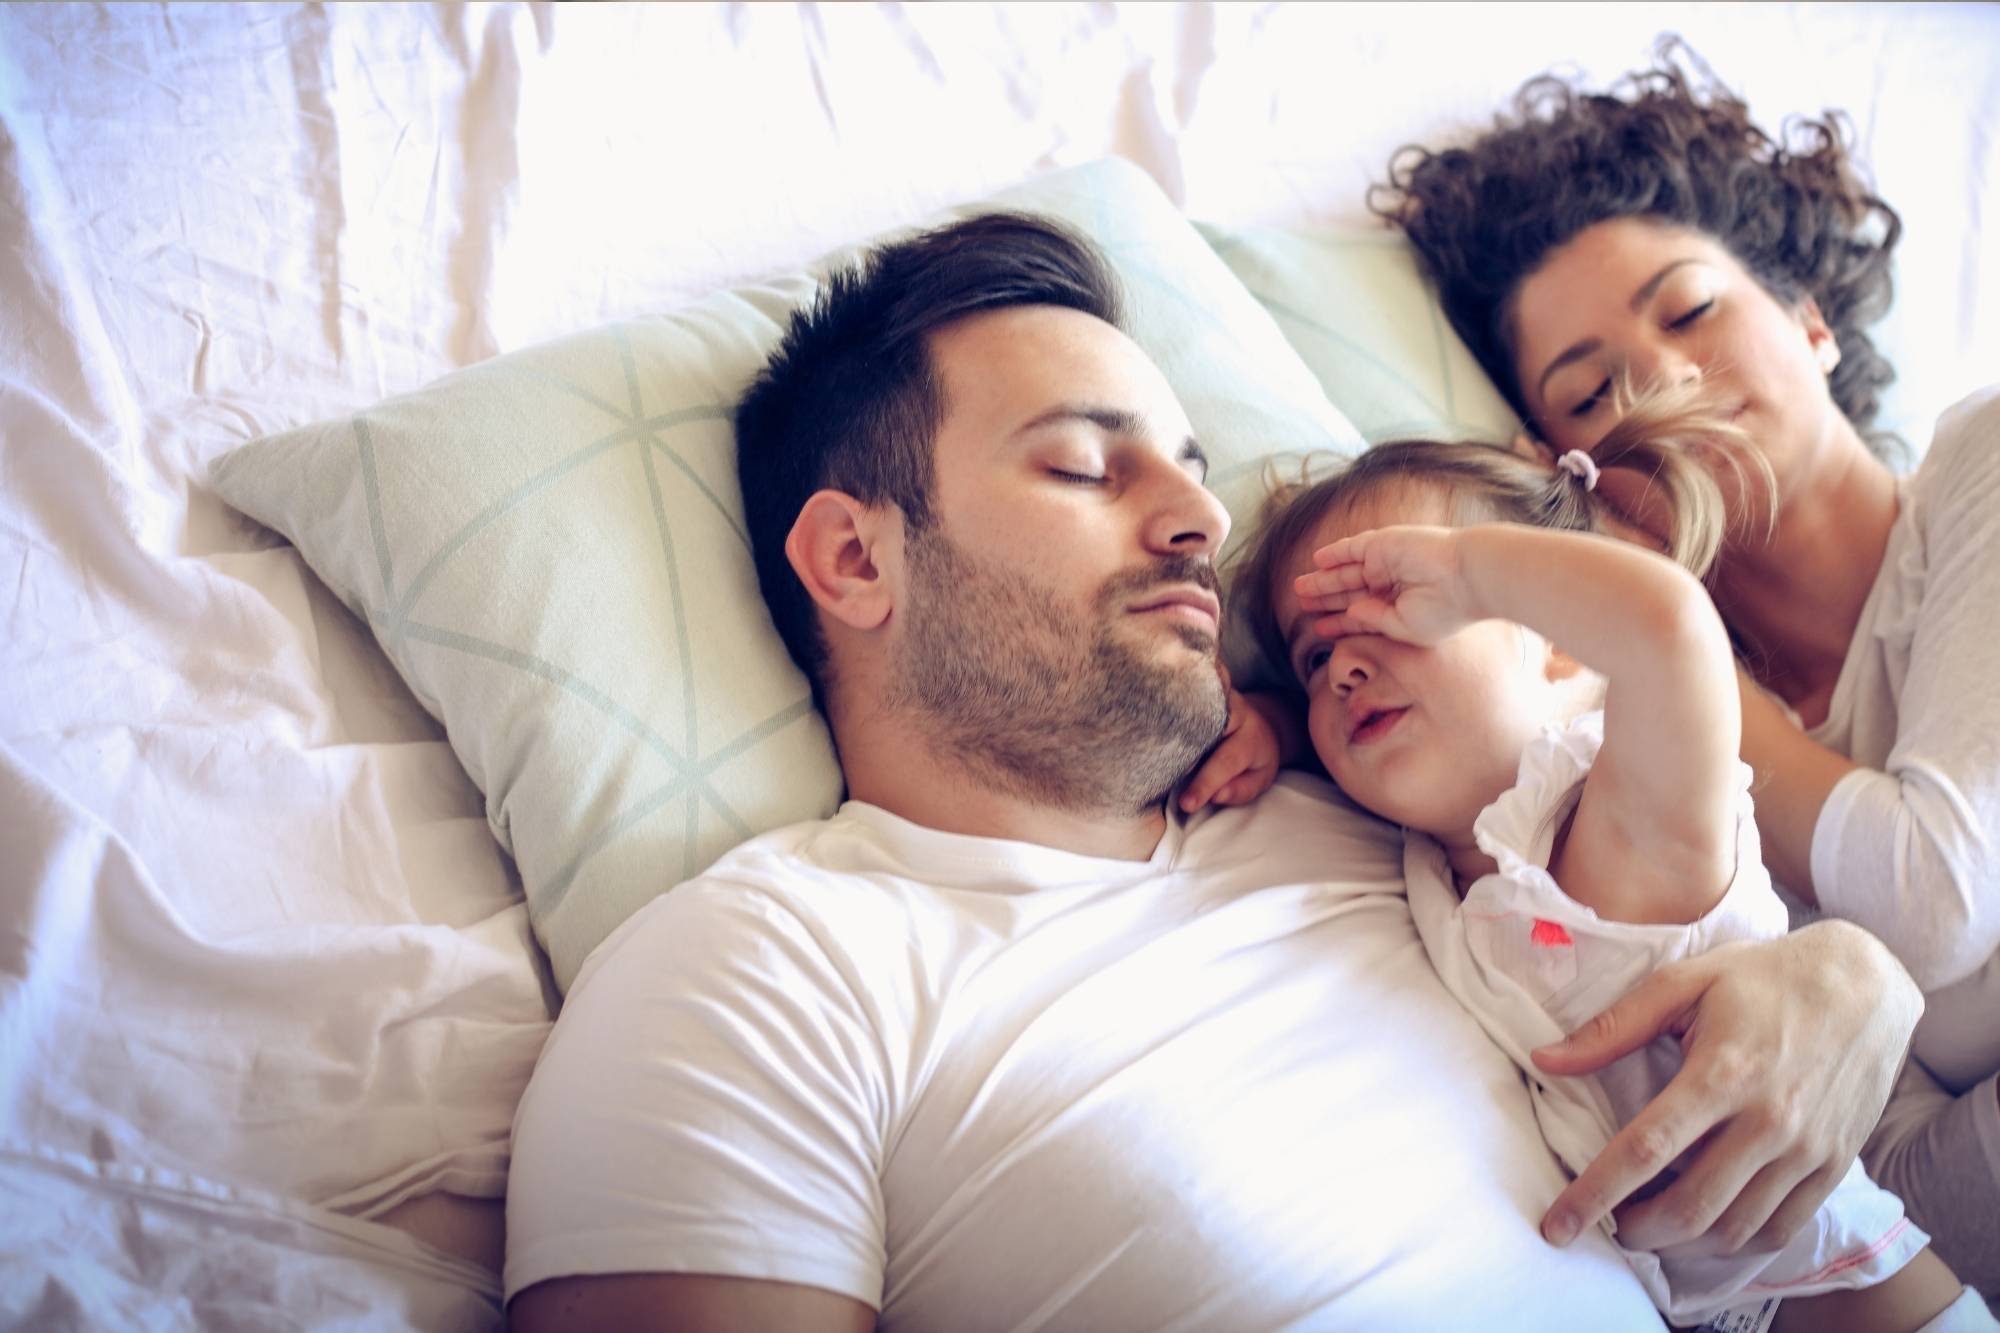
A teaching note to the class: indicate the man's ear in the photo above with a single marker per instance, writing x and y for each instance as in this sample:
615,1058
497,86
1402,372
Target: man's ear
837,547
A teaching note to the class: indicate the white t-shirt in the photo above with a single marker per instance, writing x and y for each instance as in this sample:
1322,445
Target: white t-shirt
986,1084
1533,963
1909,845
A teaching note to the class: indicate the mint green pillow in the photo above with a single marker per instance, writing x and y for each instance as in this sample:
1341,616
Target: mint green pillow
1358,311
549,546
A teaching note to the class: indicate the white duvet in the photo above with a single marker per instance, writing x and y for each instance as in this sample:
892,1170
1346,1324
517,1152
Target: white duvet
263,970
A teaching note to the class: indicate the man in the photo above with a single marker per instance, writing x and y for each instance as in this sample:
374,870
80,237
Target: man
1005,1043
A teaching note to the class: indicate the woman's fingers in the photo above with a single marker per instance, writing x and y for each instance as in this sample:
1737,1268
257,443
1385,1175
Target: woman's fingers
1662,1131
1731,1179
1662,1003
1794,1211
1738,1226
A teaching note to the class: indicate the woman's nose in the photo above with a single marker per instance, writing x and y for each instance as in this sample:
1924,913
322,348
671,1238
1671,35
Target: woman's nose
1660,367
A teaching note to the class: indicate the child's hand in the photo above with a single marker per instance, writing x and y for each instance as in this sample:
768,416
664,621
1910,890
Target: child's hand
1244,763
1401,582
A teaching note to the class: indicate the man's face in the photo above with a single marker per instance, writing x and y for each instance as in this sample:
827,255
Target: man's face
1059,623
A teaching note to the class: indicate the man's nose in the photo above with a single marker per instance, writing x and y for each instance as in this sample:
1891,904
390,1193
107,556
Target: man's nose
1186,518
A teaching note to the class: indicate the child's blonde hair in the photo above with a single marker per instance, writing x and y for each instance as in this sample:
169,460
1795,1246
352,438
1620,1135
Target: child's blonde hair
1671,436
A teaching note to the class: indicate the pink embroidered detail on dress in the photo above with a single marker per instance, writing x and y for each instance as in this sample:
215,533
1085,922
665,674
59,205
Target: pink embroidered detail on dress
1549,935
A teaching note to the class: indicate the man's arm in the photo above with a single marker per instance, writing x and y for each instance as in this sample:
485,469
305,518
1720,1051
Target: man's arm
1791,1048
683,1303
697,1146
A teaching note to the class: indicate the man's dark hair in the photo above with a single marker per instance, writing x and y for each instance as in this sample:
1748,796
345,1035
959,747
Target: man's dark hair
1668,143
851,400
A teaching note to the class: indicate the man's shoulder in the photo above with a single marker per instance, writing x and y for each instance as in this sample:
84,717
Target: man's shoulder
778,858
779,878
1310,832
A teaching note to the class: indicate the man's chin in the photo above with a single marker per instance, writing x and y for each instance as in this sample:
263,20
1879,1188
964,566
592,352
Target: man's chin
1187,684
1189,671
1175,643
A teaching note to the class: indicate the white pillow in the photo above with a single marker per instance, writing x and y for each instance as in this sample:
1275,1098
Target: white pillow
1357,309
550,548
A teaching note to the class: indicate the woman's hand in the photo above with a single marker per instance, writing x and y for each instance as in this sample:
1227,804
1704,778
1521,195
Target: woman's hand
1790,1048
1402,582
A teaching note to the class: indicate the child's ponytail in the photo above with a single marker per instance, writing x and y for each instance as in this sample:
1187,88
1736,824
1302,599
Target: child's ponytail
1672,437
1677,438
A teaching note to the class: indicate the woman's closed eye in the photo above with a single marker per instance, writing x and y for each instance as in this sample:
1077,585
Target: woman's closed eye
1595,399
1077,478
1590,404
1691,316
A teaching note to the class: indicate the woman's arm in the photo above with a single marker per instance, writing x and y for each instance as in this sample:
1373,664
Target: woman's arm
1654,838
1912,850
1794,776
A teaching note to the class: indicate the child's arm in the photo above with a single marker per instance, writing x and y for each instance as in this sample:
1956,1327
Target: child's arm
1654,836
1263,734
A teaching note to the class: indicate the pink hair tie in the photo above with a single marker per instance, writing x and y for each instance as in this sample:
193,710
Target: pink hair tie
1581,466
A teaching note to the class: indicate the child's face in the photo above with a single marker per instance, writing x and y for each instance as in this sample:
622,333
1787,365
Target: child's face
1426,737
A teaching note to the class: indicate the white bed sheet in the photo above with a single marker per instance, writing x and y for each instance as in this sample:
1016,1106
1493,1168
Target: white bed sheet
254,931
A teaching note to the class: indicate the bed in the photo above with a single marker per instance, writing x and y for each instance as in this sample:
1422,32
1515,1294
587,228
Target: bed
273,970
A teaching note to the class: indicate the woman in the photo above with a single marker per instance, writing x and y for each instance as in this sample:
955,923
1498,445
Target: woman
1591,243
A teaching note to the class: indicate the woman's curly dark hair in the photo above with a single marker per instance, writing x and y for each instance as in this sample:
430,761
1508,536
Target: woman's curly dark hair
1669,143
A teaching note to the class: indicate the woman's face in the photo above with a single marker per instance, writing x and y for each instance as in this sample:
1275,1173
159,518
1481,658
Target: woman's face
1652,302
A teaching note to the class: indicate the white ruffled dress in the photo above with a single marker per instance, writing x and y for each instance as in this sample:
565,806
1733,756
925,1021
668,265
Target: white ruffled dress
1533,964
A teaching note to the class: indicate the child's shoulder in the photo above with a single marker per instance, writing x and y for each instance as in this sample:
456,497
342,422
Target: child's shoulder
1518,826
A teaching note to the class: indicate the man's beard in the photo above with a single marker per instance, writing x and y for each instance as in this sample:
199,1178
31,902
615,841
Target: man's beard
1042,702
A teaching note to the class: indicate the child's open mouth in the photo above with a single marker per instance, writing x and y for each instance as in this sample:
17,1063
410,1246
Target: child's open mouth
1376,724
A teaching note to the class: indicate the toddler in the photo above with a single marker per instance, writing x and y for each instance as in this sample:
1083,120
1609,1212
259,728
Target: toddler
1552,715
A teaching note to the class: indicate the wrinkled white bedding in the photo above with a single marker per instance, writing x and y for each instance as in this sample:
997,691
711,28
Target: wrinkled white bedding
261,962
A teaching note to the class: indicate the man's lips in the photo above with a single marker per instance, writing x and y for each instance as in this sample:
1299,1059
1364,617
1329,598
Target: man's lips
1192,604
1372,723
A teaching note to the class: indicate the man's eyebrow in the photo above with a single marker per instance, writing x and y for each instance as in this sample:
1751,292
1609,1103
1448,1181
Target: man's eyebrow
1113,421
1589,345
1110,420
